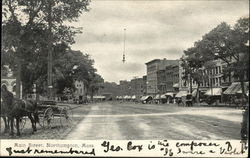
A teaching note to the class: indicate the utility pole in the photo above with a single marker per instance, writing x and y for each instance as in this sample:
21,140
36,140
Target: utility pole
50,86
211,82
18,78
190,84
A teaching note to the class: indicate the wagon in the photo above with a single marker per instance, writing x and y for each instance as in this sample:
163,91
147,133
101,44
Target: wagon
52,114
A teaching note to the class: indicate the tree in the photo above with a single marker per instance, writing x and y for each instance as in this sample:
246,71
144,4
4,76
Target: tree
27,35
72,65
194,67
231,45
95,84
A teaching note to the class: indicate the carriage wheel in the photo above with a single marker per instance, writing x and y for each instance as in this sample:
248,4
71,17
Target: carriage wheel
48,118
66,116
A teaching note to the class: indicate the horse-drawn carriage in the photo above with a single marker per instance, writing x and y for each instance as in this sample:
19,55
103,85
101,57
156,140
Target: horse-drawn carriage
51,114
46,113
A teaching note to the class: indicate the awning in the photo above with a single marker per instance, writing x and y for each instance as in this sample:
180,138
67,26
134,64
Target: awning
176,85
235,87
145,97
157,96
214,91
99,97
163,96
170,94
180,94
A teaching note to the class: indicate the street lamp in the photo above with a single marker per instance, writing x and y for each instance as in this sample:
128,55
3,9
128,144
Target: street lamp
124,39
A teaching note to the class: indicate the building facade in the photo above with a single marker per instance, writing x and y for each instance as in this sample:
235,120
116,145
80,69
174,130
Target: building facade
137,87
81,90
125,87
110,88
213,77
9,81
156,75
144,78
172,77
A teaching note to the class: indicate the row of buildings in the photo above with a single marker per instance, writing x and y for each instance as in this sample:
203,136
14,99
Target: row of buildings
166,76
162,76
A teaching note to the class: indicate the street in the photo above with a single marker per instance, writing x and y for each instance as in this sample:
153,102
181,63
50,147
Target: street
127,120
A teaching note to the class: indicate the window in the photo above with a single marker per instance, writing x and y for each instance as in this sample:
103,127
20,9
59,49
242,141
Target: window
14,88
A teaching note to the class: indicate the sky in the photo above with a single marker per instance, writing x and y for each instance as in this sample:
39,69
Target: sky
154,30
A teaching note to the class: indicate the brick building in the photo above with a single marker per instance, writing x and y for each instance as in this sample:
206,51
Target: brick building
155,75
137,87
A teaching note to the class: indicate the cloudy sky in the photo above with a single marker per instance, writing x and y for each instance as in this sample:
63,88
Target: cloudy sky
154,29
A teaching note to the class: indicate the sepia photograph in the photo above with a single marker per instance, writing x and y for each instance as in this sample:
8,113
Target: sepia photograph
134,71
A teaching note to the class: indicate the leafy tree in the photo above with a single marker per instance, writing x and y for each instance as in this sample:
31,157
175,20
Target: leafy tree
95,84
72,65
231,45
194,67
29,27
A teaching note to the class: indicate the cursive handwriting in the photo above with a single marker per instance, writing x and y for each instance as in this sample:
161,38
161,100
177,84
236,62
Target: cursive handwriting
109,147
37,151
195,144
230,150
130,146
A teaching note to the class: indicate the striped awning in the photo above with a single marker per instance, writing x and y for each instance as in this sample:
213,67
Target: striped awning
235,87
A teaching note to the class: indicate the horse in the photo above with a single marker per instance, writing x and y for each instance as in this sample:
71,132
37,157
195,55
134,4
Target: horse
6,120
17,108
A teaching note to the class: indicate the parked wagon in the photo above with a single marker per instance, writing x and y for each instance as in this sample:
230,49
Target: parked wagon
51,114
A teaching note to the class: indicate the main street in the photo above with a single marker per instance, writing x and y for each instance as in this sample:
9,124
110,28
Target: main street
127,120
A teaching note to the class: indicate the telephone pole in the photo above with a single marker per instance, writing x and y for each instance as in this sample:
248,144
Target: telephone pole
50,86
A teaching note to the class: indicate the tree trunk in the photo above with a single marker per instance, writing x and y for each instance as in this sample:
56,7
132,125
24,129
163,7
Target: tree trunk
18,78
198,93
190,84
243,90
